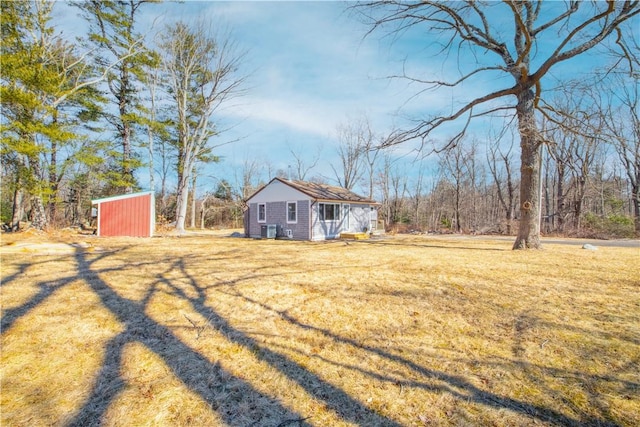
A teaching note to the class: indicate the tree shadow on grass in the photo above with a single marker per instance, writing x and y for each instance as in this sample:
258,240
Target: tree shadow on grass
198,373
334,398
190,367
11,315
455,385
206,378
22,269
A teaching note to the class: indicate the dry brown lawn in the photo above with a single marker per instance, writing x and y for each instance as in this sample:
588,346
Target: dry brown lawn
402,331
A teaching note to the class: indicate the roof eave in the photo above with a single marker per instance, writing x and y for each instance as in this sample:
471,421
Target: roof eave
121,197
361,202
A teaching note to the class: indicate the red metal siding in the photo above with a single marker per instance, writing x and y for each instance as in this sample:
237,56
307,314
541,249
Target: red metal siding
126,217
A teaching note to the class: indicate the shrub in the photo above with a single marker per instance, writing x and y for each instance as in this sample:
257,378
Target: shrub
610,226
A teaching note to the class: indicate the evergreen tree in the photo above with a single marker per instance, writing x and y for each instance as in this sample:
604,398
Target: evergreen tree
46,89
112,31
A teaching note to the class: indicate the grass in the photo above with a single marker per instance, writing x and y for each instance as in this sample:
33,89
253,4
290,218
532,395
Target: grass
402,331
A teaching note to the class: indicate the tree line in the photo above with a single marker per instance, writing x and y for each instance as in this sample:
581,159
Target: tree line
79,120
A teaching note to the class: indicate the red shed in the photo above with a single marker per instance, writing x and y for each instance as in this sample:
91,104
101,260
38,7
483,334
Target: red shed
127,215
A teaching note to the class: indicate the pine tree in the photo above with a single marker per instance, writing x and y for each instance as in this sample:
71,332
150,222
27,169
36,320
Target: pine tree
46,86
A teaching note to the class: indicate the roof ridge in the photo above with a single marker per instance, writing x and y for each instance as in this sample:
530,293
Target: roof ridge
324,191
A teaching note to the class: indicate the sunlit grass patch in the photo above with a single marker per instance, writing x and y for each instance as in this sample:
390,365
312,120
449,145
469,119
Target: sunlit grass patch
397,331
51,355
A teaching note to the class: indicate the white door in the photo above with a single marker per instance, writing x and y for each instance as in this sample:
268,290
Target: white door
346,217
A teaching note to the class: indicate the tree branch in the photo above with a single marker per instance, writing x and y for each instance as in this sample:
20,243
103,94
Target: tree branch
426,127
629,10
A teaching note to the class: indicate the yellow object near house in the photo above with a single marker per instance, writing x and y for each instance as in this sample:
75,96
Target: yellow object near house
354,236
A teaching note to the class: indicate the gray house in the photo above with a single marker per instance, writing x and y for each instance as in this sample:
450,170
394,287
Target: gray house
307,211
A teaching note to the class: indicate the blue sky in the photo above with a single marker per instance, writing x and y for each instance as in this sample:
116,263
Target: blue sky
311,69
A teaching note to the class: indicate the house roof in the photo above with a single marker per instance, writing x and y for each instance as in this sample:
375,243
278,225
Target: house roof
323,191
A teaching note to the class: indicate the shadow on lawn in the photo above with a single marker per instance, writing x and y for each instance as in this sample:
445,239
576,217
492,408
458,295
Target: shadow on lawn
190,367
456,385
206,379
196,372
336,399
10,315
46,289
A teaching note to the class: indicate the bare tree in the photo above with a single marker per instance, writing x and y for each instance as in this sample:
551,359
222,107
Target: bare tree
458,165
203,73
371,156
623,123
194,199
301,166
500,166
355,138
392,183
399,181
573,141
573,27
247,183
621,117
156,128
417,197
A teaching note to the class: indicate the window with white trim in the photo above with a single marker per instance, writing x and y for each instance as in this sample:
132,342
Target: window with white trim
329,211
292,212
262,212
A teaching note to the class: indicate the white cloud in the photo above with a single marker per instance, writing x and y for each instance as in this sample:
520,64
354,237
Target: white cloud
284,112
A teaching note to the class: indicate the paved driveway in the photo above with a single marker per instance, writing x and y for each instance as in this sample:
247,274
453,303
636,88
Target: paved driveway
617,243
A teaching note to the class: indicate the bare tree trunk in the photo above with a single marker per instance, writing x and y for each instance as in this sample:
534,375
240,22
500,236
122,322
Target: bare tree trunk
53,179
18,209
635,197
506,201
193,199
458,220
203,210
560,196
39,214
152,84
163,179
38,211
548,208
182,198
579,200
529,228
124,130
181,209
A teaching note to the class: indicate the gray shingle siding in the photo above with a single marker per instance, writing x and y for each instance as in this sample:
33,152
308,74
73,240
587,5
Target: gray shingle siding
276,213
301,228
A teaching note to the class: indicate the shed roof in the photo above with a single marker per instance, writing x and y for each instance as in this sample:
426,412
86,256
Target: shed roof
322,191
120,197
